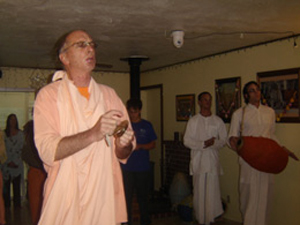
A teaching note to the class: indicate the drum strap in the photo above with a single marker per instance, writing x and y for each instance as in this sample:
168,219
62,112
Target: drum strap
242,121
240,140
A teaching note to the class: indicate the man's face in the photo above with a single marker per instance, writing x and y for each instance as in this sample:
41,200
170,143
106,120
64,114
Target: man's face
205,102
79,52
253,94
134,114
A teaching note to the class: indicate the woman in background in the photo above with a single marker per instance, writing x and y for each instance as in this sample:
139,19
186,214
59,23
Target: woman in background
12,169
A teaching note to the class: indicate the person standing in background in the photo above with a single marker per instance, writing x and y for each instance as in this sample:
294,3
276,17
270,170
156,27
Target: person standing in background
205,135
136,173
13,167
36,174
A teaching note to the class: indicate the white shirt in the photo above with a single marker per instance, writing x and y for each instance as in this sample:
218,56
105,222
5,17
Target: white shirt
199,129
258,122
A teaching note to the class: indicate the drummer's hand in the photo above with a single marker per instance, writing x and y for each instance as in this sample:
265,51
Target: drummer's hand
209,142
291,154
233,142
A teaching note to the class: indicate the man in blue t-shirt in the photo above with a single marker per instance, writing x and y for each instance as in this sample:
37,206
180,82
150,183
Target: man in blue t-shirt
136,173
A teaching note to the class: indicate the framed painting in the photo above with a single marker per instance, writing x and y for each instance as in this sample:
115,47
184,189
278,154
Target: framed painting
228,97
280,90
185,107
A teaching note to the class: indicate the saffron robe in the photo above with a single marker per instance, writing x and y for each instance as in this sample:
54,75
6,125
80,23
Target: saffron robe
85,188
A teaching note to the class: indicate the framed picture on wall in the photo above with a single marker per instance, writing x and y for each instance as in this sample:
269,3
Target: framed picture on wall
280,90
228,97
185,107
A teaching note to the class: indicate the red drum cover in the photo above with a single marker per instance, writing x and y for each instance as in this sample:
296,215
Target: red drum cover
263,154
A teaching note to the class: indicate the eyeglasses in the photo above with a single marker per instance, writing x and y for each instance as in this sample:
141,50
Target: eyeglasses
81,44
252,90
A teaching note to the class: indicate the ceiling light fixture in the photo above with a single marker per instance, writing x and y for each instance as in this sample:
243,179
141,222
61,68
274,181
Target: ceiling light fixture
178,38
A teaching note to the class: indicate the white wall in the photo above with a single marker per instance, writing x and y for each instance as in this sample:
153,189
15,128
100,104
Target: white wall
200,75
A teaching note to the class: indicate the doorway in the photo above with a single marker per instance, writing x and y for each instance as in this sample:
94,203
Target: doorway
19,102
152,98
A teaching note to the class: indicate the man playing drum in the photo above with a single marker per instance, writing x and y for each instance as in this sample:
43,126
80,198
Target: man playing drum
256,120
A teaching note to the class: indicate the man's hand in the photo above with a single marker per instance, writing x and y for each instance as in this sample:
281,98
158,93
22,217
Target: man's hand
124,144
233,142
126,139
106,124
291,154
149,146
209,142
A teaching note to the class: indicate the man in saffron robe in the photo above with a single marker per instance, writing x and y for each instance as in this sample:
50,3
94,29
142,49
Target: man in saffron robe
74,120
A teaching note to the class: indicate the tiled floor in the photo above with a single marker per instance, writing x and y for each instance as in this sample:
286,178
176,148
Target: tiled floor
21,216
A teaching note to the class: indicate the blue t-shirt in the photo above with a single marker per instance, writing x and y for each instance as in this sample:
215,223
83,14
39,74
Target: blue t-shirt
139,160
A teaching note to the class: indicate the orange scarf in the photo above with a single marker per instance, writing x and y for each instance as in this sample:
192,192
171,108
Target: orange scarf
84,91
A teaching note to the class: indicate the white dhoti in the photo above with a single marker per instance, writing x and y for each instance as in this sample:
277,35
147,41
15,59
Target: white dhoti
207,199
255,195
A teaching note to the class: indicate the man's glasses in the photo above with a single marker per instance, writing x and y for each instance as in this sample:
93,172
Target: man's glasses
81,44
252,90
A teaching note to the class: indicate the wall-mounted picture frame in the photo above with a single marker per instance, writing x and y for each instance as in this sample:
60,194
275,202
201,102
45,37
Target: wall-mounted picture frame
280,90
185,107
228,97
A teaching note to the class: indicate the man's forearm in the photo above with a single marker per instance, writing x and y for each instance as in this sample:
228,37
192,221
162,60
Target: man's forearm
72,144
233,142
148,146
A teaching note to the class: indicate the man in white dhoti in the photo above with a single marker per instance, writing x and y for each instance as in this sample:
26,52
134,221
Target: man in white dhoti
74,119
205,135
255,186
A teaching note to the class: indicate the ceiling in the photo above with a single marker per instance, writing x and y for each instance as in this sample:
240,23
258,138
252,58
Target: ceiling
30,28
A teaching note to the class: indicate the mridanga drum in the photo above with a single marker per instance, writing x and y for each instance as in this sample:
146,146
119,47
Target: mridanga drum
263,154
